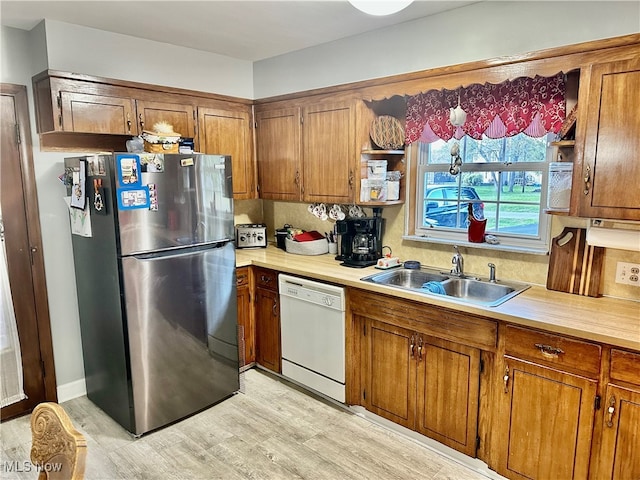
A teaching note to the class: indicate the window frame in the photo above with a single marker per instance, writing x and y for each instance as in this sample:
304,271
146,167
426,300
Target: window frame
413,230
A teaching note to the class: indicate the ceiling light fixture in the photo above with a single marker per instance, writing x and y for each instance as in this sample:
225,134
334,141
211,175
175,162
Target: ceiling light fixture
380,7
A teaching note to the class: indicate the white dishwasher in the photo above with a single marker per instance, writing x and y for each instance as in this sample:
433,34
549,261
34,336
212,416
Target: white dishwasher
312,328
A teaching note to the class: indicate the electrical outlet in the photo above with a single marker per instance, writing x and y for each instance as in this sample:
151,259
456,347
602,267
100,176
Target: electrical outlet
628,273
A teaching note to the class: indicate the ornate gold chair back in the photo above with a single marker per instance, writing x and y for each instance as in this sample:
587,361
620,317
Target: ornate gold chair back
57,448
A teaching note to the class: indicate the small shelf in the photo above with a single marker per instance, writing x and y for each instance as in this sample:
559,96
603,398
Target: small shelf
556,212
383,152
380,204
564,143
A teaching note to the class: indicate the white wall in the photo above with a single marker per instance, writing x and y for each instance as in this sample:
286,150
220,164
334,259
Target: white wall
414,46
476,32
23,54
72,48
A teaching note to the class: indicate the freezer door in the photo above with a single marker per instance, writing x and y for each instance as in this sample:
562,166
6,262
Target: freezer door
194,199
181,313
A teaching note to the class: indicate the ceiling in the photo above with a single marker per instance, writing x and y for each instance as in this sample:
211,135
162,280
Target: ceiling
247,30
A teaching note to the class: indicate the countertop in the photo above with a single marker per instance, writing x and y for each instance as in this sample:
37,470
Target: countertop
606,320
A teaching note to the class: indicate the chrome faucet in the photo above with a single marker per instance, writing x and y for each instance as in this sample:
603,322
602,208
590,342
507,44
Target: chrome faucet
458,263
492,272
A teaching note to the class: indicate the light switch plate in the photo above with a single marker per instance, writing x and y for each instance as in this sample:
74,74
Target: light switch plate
628,273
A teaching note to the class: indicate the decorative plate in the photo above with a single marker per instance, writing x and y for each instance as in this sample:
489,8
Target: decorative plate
387,132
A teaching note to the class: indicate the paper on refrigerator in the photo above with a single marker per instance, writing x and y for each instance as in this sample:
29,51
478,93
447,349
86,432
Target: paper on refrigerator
80,219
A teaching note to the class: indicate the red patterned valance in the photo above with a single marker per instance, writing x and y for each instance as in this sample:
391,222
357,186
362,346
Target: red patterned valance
534,106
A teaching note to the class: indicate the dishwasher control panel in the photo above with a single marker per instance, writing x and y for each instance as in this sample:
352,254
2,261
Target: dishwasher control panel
312,292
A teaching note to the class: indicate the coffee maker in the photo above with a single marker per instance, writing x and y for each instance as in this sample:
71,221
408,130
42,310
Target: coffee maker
360,241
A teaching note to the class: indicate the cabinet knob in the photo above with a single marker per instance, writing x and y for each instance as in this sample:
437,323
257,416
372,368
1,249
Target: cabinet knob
412,347
141,123
611,410
505,379
128,123
587,180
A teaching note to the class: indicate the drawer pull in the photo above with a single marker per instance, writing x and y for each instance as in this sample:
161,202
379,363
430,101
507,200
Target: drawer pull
548,351
611,410
419,349
412,347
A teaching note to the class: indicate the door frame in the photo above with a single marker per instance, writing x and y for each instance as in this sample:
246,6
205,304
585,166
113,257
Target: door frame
19,94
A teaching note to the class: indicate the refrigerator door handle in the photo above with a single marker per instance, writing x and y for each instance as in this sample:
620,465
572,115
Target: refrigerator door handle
178,251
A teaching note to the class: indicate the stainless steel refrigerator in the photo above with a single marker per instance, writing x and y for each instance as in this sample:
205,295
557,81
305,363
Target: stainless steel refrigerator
155,276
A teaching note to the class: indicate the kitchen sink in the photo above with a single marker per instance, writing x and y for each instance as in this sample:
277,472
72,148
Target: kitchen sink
467,289
406,278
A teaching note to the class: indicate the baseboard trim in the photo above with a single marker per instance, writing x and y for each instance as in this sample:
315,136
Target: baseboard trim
71,390
472,463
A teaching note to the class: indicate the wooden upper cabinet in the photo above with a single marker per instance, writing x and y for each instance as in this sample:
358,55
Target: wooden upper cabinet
88,113
229,132
278,139
180,116
329,153
610,173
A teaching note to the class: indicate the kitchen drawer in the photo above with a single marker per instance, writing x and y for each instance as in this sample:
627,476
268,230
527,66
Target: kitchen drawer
242,276
625,366
265,278
560,352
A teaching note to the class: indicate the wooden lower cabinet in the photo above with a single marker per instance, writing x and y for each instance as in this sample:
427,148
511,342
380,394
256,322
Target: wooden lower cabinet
423,383
448,391
267,317
389,372
246,318
619,454
619,448
545,422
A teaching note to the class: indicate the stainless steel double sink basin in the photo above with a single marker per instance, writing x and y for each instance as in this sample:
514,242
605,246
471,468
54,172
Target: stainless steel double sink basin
467,289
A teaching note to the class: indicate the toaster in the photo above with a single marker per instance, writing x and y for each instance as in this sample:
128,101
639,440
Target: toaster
250,235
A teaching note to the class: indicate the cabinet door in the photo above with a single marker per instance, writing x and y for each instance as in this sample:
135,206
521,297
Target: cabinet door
87,113
179,116
245,315
545,422
620,457
278,139
228,132
448,392
612,142
268,329
329,153
389,372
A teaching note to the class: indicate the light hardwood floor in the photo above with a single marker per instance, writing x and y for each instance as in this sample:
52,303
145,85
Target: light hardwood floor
272,431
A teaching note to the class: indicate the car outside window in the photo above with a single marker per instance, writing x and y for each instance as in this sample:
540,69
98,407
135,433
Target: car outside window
503,179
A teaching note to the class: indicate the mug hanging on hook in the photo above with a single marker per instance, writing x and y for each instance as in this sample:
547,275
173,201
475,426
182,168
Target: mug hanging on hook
457,115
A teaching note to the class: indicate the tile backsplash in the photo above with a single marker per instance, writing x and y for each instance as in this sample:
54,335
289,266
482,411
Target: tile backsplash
512,266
